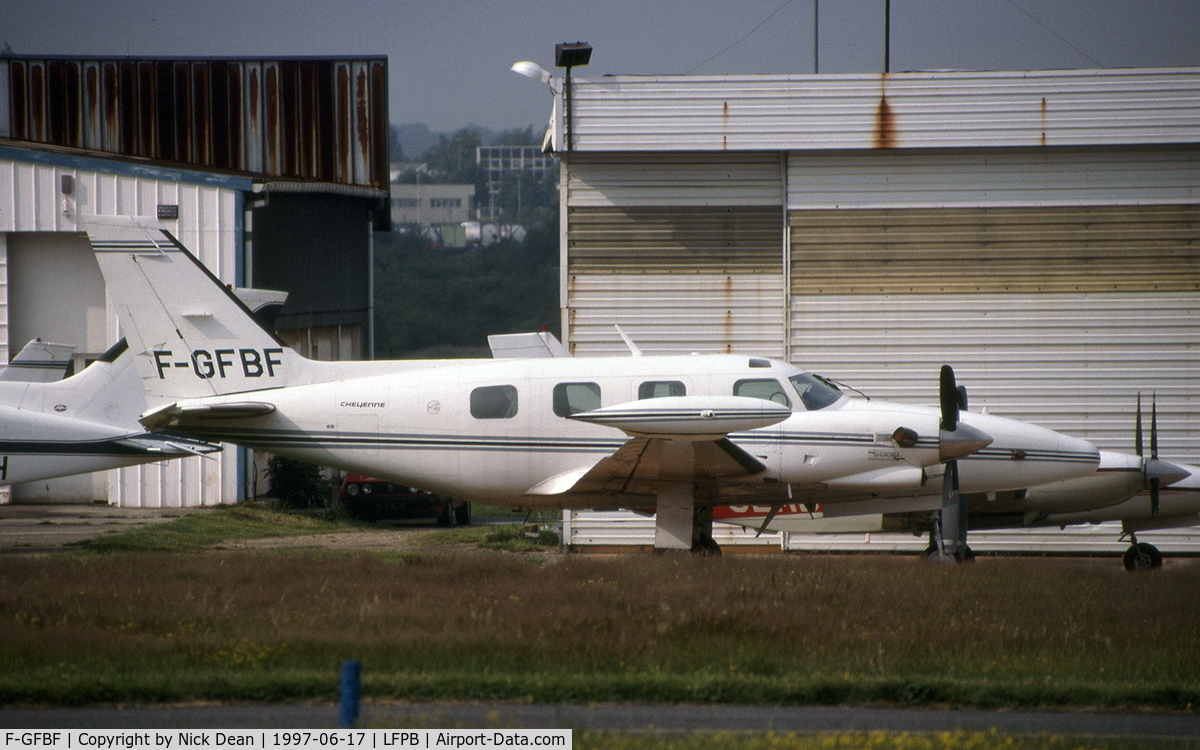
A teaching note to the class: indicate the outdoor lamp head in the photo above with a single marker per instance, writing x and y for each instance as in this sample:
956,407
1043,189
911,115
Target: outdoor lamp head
532,70
569,55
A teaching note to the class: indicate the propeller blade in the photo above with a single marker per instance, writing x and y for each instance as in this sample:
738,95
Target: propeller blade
1154,483
951,530
1154,426
948,399
770,517
1137,433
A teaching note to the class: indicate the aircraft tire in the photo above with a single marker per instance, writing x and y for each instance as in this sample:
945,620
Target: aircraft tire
447,518
1142,556
462,514
932,553
706,546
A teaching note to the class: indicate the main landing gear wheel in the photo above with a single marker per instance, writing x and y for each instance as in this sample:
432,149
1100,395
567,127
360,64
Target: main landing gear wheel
933,553
1142,556
706,546
447,519
462,514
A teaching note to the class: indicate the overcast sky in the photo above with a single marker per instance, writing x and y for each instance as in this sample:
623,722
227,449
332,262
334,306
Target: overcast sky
449,60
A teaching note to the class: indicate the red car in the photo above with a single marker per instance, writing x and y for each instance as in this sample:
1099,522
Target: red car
375,499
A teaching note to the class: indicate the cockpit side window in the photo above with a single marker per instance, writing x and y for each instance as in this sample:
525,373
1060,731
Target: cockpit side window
661,389
814,393
494,402
572,398
764,388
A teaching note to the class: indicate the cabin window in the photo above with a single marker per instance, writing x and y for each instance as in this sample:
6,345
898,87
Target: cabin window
661,389
572,398
814,392
494,402
766,389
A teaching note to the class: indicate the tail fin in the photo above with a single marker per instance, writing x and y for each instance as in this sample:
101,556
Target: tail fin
191,336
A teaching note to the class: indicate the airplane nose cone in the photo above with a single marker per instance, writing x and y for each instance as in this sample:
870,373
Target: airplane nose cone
1166,473
964,441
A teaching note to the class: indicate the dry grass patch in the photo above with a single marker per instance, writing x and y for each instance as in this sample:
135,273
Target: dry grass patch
812,629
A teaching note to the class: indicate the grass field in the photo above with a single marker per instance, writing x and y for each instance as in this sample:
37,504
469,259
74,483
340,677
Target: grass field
178,619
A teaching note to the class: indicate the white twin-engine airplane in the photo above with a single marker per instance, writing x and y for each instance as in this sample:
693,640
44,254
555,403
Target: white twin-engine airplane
1143,493
675,434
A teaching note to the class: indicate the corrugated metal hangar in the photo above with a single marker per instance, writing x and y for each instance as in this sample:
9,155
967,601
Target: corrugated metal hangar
1038,230
274,172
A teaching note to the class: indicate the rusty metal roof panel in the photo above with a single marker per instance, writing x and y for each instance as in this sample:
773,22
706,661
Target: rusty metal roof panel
310,119
878,111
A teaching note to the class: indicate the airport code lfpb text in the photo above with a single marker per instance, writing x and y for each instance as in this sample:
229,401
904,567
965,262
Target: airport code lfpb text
376,739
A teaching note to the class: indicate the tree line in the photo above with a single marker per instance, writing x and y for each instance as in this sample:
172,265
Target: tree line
436,302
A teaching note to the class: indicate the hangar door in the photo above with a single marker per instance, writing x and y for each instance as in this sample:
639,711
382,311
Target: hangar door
684,252
1059,315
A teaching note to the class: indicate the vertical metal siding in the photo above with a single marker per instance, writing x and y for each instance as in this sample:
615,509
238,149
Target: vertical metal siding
622,528
5,101
208,218
657,180
625,529
684,251
277,118
4,296
1019,250
1069,362
679,313
894,179
881,111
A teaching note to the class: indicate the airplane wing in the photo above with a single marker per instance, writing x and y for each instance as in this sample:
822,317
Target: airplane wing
677,439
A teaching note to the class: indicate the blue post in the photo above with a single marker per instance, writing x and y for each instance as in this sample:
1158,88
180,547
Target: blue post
351,689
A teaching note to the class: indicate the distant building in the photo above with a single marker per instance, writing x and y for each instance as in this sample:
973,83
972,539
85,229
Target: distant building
497,160
439,211
431,204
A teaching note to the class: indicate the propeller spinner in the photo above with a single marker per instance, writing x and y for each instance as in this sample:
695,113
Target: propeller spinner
956,439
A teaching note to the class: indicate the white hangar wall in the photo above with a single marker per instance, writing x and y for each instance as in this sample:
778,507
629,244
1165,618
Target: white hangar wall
49,267
1040,231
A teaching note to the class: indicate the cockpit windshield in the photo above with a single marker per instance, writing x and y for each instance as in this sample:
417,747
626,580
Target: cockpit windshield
814,392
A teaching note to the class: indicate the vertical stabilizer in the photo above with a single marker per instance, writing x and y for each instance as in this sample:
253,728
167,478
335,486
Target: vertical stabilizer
190,335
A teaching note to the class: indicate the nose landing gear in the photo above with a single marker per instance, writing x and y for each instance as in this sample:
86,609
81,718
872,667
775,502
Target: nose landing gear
1141,556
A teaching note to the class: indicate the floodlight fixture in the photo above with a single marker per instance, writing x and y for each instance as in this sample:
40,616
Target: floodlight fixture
569,55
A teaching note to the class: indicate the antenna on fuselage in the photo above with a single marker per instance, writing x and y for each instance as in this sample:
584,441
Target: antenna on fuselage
633,348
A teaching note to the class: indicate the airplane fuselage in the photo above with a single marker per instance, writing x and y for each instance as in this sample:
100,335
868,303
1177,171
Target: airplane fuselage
489,430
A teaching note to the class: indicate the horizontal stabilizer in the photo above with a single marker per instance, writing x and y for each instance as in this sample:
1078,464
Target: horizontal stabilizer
169,447
39,362
687,417
537,345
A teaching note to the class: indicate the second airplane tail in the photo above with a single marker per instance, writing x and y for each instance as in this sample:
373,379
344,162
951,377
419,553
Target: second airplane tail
190,335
